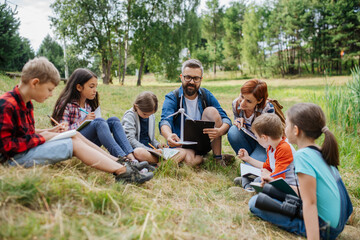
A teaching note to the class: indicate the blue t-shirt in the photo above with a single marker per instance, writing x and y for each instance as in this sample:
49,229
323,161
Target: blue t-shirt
310,162
144,131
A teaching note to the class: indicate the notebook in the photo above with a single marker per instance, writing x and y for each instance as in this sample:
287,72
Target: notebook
193,132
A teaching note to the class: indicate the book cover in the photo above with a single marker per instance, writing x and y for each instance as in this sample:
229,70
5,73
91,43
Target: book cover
249,133
279,183
84,124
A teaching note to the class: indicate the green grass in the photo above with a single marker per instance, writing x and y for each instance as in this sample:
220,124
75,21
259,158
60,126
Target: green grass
72,201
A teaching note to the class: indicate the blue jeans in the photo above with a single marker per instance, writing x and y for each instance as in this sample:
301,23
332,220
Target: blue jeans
110,134
293,225
238,139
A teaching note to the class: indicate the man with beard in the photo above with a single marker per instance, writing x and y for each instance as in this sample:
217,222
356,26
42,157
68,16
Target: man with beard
191,98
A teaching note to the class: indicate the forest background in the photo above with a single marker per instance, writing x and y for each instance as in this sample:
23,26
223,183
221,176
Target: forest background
116,38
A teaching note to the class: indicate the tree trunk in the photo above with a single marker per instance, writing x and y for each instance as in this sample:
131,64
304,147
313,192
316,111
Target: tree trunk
120,57
125,58
141,67
106,69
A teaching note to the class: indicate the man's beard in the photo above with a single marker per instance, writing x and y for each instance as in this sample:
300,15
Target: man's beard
190,92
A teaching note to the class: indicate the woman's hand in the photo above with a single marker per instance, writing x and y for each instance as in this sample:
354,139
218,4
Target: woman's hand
239,122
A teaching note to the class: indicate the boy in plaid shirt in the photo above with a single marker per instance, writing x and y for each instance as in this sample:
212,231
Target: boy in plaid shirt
22,144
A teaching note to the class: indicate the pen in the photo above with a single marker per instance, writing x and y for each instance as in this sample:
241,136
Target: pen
56,122
152,146
284,171
83,110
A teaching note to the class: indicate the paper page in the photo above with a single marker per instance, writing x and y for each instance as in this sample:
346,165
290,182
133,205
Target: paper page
63,135
248,169
169,152
97,112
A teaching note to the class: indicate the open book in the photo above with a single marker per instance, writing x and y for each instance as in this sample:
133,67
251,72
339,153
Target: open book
67,134
249,171
279,183
166,153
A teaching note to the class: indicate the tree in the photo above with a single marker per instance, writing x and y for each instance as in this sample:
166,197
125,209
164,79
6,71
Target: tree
234,15
50,49
251,50
15,51
213,30
90,24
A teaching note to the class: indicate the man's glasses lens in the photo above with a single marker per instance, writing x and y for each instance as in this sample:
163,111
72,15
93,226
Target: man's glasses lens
188,78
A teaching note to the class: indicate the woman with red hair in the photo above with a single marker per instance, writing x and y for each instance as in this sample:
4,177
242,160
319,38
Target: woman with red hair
251,103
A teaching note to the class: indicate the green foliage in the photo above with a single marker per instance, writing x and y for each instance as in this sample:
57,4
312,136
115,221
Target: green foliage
15,51
50,49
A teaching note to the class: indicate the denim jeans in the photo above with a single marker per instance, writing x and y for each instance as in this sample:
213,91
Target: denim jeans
110,134
238,139
293,225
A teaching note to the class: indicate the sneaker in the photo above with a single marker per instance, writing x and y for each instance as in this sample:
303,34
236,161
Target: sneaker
132,175
138,165
250,189
225,160
238,181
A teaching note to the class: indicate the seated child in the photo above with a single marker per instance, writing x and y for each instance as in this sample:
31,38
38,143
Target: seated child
139,126
326,205
268,130
22,144
77,103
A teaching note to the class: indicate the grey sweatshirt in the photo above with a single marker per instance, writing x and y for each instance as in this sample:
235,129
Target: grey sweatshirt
131,125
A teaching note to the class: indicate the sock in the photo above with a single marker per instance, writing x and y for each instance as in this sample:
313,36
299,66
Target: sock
218,156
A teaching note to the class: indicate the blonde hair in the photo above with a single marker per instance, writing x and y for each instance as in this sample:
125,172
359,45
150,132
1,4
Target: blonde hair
146,102
268,124
42,69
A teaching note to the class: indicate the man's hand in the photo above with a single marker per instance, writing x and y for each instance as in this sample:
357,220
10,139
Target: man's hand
239,122
243,155
212,132
172,140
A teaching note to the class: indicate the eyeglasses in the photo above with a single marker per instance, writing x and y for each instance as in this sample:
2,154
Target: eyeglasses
196,79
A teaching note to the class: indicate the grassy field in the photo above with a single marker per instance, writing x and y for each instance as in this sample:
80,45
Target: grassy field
72,201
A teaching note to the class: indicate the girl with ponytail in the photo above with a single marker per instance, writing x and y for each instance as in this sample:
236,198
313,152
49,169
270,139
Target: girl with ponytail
325,203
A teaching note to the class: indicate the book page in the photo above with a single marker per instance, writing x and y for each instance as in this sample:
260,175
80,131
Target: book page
169,152
246,169
97,112
63,135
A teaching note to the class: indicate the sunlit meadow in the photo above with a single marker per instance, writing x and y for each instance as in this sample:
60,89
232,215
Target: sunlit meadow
72,201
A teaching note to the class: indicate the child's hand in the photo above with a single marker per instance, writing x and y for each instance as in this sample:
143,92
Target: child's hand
243,155
62,127
265,175
163,145
90,116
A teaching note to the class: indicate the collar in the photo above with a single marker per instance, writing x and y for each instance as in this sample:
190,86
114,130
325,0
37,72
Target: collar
19,99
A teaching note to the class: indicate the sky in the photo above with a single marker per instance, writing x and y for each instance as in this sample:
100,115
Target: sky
34,18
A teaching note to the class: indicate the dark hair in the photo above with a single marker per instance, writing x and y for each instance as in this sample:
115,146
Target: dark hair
258,88
70,92
268,124
146,102
310,119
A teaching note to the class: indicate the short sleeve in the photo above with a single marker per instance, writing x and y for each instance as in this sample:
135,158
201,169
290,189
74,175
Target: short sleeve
302,164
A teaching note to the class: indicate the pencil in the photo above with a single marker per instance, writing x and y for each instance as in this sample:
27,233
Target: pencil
56,122
152,146
276,174
83,110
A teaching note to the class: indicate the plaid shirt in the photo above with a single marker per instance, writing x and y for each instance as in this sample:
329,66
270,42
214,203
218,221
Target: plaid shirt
17,125
73,115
